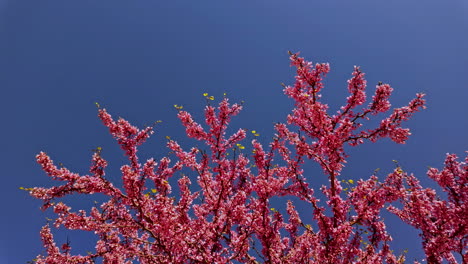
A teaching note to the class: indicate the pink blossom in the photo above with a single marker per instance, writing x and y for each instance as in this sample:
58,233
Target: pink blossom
221,208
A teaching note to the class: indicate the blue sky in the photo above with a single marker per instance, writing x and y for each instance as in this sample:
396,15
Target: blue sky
139,58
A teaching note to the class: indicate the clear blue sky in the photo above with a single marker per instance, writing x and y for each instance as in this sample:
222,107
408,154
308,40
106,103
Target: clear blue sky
139,58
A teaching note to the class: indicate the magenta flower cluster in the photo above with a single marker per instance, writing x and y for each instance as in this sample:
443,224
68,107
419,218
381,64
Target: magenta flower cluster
222,211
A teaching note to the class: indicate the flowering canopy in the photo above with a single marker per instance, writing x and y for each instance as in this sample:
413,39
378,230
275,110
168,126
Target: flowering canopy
226,215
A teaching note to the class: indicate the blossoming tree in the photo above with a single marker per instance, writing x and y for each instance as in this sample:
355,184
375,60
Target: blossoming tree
221,212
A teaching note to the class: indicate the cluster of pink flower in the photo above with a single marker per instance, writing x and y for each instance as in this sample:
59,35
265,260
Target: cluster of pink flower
229,219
